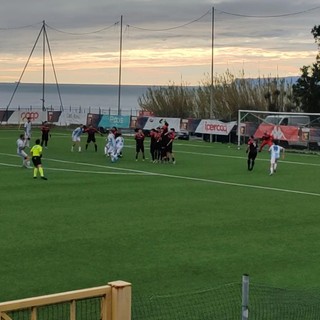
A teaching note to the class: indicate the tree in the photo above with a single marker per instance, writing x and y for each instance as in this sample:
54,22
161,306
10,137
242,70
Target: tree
230,93
172,101
316,35
307,89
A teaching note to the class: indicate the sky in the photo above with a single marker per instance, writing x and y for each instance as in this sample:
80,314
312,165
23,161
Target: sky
152,42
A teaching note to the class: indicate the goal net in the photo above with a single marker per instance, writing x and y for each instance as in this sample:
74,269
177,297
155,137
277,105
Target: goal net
293,130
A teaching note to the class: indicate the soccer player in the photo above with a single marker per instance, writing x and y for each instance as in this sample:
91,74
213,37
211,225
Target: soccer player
139,137
275,151
45,134
36,155
76,137
158,145
110,147
119,146
153,142
21,144
165,126
27,131
252,150
169,153
267,139
164,144
91,131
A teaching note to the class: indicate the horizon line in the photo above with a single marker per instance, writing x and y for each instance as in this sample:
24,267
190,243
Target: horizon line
141,85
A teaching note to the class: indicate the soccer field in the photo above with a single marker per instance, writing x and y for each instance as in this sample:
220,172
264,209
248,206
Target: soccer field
165,228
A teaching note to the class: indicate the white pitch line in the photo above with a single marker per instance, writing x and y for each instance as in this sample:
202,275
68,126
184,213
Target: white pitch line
243,157
100,166
198,179
77,171
235,184
243,185
10,165
93,172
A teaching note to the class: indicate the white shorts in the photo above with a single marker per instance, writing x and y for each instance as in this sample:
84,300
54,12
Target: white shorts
76,139
119,150
273,160
110,150
22,154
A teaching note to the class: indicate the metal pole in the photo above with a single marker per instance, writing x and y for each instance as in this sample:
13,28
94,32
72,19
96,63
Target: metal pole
239,129
43,64
245,297
120,65
212,66
212,62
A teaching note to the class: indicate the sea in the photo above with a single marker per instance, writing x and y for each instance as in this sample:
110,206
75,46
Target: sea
85,96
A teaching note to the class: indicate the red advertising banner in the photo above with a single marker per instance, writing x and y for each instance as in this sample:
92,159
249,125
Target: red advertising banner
145,113
286,133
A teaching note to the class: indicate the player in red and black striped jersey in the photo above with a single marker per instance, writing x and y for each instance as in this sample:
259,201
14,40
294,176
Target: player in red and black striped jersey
252,150
164,144
158,144
45,134
165,126
169,153
91,131
153,143
139,137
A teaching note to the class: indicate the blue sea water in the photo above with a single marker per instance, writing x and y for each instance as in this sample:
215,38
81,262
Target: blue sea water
105,97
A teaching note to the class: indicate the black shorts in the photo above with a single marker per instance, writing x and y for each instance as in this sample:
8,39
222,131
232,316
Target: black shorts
169,148
140,147
252,155
36,161
91,138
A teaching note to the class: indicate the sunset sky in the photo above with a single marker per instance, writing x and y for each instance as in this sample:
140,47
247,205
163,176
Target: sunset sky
163,41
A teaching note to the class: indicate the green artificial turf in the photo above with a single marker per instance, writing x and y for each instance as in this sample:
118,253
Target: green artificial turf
165,228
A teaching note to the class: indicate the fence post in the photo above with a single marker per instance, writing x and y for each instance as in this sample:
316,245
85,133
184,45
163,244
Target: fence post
245,297
121,300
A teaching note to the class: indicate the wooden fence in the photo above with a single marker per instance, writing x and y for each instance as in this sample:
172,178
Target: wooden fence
115,302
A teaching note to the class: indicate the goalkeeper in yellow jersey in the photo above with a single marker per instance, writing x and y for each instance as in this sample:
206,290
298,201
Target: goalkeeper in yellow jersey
36,154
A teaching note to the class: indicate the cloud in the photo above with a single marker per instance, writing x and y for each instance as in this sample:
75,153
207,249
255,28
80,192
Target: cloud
174,34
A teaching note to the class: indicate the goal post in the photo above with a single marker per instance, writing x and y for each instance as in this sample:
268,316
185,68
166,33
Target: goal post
292,129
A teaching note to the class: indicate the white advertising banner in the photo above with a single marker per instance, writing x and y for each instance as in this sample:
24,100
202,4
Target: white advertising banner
215,127
154,122
37,116
67,118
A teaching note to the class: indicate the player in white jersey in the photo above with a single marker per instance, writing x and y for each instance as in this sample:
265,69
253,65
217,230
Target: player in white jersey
118,148
21,144
76,137
275,151
110,147
27,132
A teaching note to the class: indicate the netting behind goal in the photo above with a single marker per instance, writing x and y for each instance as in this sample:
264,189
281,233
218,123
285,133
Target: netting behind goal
293,130
224,303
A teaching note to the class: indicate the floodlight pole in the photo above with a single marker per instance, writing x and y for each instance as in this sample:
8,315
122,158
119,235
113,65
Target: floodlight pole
212,63
120,66
43,62
212,66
